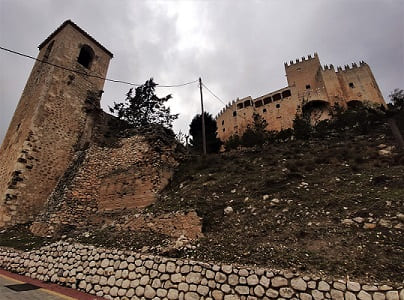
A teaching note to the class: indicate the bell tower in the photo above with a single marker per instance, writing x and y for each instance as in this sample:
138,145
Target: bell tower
51,121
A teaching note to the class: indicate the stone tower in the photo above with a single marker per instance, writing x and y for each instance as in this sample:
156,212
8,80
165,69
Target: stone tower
51,121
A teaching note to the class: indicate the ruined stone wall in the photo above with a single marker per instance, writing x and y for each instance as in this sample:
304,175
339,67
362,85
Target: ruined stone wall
117,274
109,179
50,120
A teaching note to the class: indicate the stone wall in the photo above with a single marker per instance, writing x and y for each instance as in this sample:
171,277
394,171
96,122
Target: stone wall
108,179
116,274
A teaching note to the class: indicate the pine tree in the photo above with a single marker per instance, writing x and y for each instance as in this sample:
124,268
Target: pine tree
144,107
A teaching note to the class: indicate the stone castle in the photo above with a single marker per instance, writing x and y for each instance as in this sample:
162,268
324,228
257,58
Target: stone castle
312,89
56,163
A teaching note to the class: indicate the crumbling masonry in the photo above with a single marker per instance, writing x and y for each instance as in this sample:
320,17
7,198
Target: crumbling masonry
56,166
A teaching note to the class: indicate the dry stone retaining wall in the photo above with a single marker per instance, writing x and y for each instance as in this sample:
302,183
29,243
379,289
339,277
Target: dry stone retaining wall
117,274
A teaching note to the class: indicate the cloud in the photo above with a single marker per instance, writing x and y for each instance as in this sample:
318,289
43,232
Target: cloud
237,47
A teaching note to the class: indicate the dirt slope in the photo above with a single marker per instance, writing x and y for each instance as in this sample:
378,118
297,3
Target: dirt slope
332,206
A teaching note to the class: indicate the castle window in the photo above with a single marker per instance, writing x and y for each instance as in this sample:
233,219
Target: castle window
234,113
247,103
308,86
278,105
277,97
264,110
258,103
86,56
48,50
224,129
240,106
267,100
351,85
286,94
222,122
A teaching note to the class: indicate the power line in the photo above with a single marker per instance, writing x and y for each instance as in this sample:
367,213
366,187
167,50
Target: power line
91,75
220,100
213,94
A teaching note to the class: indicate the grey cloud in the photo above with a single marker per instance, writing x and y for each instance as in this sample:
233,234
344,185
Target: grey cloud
241,52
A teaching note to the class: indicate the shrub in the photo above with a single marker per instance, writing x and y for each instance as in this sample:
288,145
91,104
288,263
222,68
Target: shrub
284,134
232,143
256,134
301,127
252,138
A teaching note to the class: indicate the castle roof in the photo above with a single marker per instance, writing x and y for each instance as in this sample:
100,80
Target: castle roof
70,22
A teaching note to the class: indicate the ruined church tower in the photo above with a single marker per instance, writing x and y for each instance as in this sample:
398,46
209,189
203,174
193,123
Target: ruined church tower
51,120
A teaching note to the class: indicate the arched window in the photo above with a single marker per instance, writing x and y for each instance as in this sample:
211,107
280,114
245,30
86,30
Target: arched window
86,56
48,50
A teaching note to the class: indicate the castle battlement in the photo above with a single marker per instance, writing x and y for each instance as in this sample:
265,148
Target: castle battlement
302,60
351,67
311,86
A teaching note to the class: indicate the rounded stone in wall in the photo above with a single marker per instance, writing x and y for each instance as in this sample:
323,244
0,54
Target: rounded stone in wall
139,291
279,281
191,296
149,292
113,291
217,295
242,290
298,284
220,277
233,279
172,294
286,292
259,291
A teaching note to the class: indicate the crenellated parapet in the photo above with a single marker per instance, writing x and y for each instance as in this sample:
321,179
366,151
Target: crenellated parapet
353,66
311,87
302,60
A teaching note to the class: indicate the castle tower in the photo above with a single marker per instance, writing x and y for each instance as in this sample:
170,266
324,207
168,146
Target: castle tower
304,74
51,120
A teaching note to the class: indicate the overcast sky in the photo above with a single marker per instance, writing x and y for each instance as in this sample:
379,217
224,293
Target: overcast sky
237,47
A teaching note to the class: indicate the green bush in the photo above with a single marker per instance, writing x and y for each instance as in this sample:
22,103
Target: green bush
256,134
252,138
284,134
302,128
232,143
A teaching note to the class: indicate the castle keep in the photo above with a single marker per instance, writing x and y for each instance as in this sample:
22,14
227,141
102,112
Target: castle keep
312,88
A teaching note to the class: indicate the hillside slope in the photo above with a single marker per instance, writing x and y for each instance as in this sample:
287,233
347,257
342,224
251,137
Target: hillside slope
332,206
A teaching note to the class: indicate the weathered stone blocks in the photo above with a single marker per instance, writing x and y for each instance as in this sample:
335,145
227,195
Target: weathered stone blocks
165,278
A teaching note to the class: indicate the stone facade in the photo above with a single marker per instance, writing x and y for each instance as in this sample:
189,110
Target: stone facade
105,179
311,88
51,120
116,274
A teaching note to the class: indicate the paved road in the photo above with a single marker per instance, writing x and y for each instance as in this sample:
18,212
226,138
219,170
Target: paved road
26,288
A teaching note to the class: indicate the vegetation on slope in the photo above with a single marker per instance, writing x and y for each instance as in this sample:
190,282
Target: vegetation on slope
331,203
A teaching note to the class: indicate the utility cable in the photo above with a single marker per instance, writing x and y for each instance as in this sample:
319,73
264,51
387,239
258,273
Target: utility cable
217,97
213,94
91,75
